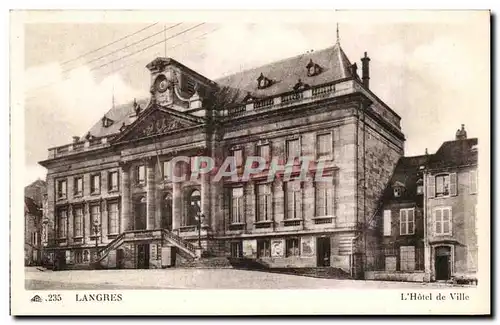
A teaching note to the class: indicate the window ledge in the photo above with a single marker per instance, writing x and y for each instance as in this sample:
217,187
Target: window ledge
113,191
77,237
324,217
78,195
263,221
95,193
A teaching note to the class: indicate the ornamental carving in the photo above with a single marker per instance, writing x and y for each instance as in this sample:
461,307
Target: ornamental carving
162,125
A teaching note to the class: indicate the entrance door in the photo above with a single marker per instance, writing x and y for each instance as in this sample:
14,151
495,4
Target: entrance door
166,213
442,263
140,214
143,256
323,251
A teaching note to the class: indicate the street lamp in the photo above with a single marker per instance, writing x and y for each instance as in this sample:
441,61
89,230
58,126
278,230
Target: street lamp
96,227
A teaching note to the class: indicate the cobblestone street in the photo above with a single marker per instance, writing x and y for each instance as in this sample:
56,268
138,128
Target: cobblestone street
195,279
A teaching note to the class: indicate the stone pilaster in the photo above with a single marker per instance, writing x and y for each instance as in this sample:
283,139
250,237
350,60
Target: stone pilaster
126,208
176,199
205,197
150,194
70,224
104,220
51,222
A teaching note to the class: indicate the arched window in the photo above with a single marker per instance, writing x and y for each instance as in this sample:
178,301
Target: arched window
193,207
166,212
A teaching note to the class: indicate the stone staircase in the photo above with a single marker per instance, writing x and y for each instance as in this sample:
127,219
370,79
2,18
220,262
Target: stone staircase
187,250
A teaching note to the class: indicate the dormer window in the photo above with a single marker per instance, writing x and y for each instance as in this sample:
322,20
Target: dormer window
398,191
313,69
420,187
263,82
248,98
106,122
300,86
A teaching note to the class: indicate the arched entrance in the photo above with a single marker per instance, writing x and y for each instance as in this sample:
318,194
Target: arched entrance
442,262
140,213
193,205
166,212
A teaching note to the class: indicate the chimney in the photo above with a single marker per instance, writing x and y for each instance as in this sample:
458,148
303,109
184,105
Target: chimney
75,139
365,66
461,133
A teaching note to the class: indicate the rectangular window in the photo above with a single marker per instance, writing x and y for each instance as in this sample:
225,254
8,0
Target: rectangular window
293,197
113,218
473,181
62,218
442,221
95,217
442,185
263,248
237,205
292,247
78,257
141,175
95,184
167,172
236,249
263,202
78,186
407,258
407,221
324,192
265,152
324,145
113,181
238,157
387,222
78,221
292,150
61,189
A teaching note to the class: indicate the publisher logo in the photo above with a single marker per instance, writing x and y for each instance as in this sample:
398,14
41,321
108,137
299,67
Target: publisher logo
36,298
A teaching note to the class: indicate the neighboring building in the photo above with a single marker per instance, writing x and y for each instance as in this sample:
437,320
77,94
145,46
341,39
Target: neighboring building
36,191
428,218
452,189
111,188
32,231
400,252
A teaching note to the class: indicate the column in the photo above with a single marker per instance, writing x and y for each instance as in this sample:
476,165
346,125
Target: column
150,194
69,225
176,199
205,198
126,215
104,220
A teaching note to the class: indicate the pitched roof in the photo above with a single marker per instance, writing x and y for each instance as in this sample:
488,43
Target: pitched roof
407,172
455,153
119,114
284,74
30,207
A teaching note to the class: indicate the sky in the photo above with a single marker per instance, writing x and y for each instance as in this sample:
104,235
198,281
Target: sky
431,73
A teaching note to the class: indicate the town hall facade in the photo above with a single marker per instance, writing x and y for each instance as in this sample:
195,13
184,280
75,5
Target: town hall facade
111,200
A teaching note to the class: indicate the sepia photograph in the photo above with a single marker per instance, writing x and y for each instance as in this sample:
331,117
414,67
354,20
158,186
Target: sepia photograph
206,151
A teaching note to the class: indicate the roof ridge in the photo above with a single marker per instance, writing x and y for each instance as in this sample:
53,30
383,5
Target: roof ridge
278,62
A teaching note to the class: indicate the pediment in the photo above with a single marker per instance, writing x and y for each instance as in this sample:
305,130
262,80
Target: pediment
158,121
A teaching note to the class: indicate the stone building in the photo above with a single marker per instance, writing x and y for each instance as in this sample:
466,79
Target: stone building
32,232
111,191
452,189
428,218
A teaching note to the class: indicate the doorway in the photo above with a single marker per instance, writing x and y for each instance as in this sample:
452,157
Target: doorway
166,212
323,251
143,256
442,263
140,214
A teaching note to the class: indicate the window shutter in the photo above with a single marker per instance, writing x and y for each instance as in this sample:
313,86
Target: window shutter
226,205
453,184
402,222
473,181
431,186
